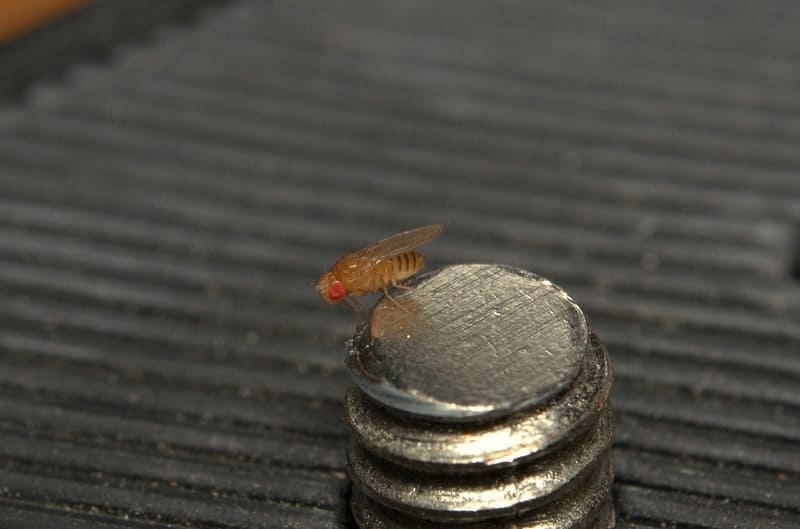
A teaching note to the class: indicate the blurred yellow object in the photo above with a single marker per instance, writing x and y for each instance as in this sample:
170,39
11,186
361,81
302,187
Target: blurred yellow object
18,17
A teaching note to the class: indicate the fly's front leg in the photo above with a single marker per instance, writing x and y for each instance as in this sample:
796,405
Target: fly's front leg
356,308
360,307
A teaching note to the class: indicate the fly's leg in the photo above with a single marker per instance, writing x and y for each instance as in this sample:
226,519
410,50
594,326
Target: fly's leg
395,284
360,308
352,308
356,308
390,298
384,272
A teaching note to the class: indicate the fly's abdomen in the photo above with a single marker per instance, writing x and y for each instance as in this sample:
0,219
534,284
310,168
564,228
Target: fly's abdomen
406,265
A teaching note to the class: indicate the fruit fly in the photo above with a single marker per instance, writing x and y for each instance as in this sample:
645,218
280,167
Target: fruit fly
375,267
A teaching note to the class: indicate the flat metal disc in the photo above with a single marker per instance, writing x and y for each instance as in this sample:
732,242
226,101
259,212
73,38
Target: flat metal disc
470,342
479,496
478,447
588,506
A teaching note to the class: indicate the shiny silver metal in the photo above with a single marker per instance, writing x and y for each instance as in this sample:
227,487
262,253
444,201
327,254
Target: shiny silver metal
470,342
587,506
480,400
480,447
478,496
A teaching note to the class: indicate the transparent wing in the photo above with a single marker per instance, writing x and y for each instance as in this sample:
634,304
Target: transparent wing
400,243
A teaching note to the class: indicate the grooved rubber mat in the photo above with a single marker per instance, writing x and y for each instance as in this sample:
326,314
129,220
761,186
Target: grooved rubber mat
165,360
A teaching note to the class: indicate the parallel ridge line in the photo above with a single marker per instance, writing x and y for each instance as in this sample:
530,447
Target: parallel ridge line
292,253
665,435
629,15
272,376
544,150
91,342
709,376
170,488
785,178
193,441
174,211
18,514
22,156
248,317
86,35
305,416
727,349
129,276
510,123
135,135
422,22
608,162
110,495
630,394
181,438
241,364
174,476
560,130
168,474
621,484
379,48
133,464
153,328
211,216
104,303
453,46
207,216
238,266
191,207
298,131
274,379
177,509
663,471
646,504
470,53
392,93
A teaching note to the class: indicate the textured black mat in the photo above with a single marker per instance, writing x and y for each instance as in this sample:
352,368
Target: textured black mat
89,33
165,360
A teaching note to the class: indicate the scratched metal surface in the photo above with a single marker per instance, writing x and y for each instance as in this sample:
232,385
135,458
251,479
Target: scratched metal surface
164,359
511,344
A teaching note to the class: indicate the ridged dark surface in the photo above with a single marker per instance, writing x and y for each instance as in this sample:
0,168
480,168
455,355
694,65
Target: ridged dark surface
87,33
165,360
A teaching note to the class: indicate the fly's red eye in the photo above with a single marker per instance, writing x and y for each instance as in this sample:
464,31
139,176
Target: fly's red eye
336,291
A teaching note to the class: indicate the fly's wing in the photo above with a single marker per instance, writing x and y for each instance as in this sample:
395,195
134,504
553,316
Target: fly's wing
400,243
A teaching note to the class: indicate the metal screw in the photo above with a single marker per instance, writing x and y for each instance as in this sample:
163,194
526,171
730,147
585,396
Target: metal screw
480,401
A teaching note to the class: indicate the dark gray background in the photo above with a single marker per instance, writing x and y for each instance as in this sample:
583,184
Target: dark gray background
168,202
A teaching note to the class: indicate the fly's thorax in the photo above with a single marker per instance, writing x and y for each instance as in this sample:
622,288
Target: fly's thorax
356,273
350,268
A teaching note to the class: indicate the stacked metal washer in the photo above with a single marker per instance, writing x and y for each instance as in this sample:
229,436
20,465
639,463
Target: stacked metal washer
480,400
